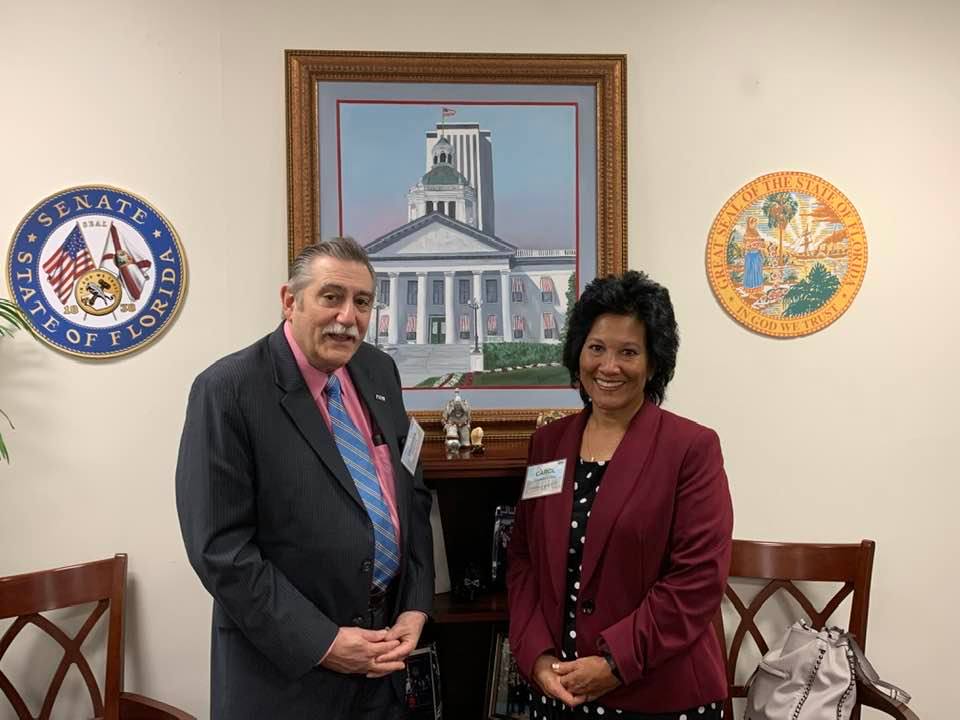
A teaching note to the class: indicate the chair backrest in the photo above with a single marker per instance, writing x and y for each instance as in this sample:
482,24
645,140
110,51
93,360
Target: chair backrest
779,566
25,597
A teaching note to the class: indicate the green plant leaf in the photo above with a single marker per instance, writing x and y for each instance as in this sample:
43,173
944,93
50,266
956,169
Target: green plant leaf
10,313
4,455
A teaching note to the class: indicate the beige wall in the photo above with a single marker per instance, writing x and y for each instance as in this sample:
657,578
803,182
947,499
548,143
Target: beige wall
838,436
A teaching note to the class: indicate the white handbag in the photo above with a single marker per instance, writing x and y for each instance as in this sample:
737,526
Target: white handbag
812,675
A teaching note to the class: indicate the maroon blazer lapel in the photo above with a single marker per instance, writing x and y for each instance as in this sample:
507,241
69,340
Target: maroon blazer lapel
623,478
556,509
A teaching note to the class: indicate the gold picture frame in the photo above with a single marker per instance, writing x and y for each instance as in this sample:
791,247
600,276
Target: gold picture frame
314,77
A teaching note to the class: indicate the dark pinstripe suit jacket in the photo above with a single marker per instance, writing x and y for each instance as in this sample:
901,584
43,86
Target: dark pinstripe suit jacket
274,527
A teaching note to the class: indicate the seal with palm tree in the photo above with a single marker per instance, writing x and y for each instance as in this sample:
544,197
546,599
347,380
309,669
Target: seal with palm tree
786,254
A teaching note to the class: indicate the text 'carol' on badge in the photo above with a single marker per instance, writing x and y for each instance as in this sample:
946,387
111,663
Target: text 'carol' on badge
97,271
786,254
544,479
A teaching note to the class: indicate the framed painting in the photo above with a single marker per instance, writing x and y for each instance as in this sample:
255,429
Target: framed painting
487,190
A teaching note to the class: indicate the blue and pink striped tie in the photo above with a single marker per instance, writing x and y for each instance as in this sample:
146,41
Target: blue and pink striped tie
356,456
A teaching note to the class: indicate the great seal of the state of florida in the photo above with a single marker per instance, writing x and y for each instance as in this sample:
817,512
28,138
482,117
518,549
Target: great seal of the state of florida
786,254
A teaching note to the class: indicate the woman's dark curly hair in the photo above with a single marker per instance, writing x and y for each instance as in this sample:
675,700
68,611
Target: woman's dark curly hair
632,293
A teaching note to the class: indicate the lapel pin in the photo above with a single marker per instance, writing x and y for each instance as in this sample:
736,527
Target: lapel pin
381,398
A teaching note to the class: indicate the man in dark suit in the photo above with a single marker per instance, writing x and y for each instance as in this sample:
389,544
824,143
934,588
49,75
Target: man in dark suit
299,516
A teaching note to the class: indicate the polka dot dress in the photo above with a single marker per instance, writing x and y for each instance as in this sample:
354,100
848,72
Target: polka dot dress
586,487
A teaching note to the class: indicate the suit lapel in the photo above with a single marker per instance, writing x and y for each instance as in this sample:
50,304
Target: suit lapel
624,477
298,403
557,508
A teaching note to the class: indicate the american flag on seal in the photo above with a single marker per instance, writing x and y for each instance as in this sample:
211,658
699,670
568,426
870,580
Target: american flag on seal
71,260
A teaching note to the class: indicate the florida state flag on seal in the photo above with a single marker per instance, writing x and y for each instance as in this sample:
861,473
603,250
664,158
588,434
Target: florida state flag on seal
120,259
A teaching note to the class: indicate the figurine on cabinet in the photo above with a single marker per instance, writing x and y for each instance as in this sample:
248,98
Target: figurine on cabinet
451,441
476,440
456,415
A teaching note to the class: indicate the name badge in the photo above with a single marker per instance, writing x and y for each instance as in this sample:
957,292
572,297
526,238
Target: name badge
411,448
544,479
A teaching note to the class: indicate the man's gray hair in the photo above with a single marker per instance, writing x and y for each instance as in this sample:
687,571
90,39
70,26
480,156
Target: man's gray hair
341,248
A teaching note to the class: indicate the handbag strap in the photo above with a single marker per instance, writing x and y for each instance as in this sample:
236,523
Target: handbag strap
871,676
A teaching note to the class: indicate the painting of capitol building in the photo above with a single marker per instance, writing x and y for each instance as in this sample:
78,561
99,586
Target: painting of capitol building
459,304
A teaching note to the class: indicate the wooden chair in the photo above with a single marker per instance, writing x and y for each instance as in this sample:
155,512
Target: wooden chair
26,596
782,565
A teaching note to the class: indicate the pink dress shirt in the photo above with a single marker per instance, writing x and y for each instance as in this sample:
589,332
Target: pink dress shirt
380,454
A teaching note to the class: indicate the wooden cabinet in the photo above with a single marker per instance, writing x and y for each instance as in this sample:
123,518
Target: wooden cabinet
468,491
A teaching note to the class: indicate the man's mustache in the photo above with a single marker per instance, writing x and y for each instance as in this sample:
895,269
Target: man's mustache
338,329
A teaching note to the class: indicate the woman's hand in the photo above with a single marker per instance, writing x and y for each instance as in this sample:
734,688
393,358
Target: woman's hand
587,677
545,675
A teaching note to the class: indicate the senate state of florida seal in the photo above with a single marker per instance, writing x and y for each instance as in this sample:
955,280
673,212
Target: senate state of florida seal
786,254
97,271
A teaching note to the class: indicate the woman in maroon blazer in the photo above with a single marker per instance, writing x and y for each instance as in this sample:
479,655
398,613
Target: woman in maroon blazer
614,580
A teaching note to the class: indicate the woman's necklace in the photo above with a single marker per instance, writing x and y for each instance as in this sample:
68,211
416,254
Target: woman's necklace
589,449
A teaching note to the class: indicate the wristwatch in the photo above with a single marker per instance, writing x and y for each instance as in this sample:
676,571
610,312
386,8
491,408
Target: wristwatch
613,665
